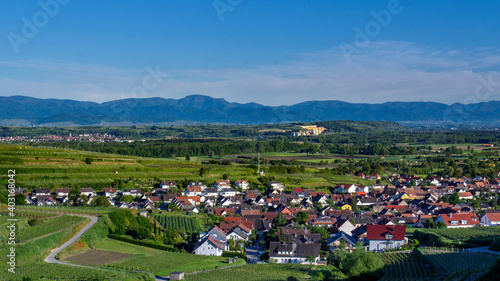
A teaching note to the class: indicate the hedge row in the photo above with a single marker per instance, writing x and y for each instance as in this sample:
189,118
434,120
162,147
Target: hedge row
234,254
142,243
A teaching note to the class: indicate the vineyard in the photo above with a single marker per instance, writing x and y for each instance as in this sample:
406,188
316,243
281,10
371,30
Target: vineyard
47,226
466,233
46,271
180,222
39,211
404,266
255,272
456,263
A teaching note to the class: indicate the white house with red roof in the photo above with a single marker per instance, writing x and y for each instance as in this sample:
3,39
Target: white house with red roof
385,237
465,195
222,184
322,221
243,184
459,220
347,188
491,219
193,191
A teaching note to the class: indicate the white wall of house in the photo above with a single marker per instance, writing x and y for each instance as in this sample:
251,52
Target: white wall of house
208,249
459,223
381,245
288,260
485,220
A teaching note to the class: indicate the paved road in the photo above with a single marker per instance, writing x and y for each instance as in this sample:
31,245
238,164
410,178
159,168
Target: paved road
52,257
252,254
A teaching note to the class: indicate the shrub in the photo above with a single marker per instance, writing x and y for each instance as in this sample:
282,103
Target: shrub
142,243
234,254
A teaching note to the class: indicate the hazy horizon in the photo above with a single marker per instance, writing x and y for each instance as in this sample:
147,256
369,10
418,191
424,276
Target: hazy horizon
278,53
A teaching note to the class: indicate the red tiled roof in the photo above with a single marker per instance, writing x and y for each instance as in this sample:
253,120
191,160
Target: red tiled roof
215,242
468,217
378,232
493,216
233,219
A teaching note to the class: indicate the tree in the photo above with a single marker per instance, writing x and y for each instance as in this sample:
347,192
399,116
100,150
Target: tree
302,217
88,160
100,201
73,195
455,199
203,171
143,232
319,276
339,254
188,157
280,220
84,200
354,205
310,258
362,263
128,198
20,199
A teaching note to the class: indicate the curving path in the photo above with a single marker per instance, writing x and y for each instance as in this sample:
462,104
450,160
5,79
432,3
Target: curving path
51,258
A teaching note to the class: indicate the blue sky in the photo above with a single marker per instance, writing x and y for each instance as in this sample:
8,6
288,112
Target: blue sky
270,52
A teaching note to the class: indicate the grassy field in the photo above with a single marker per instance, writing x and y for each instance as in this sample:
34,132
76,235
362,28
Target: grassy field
55,167
256,272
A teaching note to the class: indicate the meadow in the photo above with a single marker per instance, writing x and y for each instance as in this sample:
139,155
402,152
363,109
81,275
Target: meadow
52,167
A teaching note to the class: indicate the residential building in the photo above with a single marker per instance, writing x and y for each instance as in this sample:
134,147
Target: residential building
281,252
385,237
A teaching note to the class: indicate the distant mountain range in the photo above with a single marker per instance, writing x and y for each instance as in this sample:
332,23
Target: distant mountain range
197,109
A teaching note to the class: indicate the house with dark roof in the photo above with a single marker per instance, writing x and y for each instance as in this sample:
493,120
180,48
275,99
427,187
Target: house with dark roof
385,237
40,191
62,192
281,252
87,191
322,221
291,234
109,192
168,184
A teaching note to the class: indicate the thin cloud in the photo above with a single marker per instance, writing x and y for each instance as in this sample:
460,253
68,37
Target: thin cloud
384,71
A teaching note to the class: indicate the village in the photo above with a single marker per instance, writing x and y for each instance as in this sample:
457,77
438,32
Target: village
306,223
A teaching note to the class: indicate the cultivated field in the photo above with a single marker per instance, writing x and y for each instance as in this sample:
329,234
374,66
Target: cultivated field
256,272
179,222
56,167
96,257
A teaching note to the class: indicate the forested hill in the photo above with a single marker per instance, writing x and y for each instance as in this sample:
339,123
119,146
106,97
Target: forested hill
197,109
